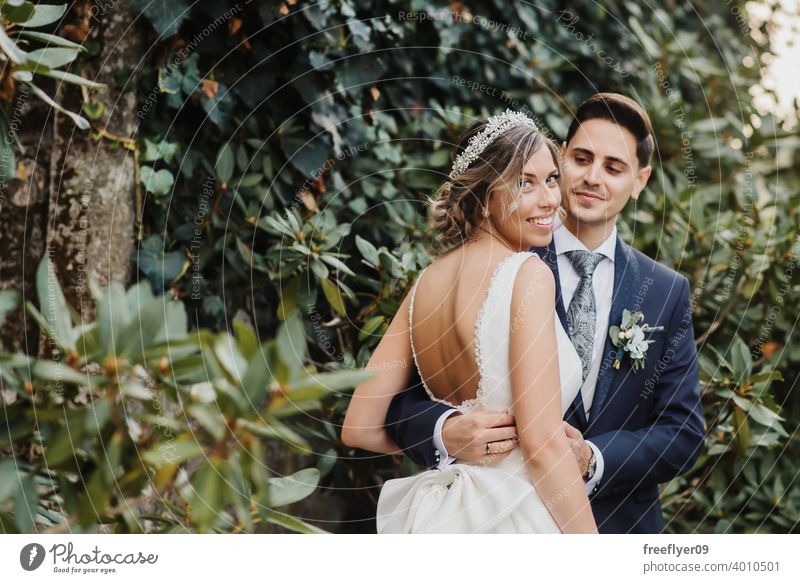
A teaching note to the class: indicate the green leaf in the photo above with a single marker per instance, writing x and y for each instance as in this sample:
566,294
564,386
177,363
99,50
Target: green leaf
740,359
292,345
289,522
223,167
46,14
93,501
54,305
61,446
158,182
17,12
9,479
8,163
166,16
51,40
239,491
306,153
336,263
368,251
269,223
259,376
370,326
331,382
142,331
765,416
26,504
93,109
741,429
58,372
206,500
175,323
9,47
762,381
334,297
97,415
229,357
53,57
163,150
318,268
274,429
246,338
135,390
79,121
72,79
650,46
173,452
293,488
8,301
209,420
290,295
160,266
112,316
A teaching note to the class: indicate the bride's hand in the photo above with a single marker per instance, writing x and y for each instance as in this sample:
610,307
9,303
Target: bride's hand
465,436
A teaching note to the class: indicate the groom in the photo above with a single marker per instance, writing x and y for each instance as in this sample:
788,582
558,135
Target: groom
642,425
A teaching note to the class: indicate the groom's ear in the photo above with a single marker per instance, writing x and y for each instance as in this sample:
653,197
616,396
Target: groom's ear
642,176
563,149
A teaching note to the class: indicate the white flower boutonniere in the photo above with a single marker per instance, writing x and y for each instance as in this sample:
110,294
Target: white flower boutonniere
630,336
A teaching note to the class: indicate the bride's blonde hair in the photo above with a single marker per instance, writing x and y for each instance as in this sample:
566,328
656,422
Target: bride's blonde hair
458,206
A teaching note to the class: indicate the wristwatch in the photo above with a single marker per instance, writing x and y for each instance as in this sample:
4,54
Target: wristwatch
589,474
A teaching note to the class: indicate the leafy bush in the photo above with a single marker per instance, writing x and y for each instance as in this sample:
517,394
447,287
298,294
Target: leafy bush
137,424
18,23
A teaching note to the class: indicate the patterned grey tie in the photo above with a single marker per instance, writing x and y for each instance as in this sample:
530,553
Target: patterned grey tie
582,313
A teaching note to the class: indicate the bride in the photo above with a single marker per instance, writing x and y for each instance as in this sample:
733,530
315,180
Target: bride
480,326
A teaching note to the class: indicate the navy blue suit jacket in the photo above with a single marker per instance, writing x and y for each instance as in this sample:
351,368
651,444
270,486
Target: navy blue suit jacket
648,424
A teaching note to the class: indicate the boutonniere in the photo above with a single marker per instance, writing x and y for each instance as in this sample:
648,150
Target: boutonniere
630,336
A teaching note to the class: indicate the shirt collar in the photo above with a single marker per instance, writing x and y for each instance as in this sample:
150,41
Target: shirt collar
565,241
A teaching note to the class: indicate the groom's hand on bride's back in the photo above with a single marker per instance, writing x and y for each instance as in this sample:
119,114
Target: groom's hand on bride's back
465,435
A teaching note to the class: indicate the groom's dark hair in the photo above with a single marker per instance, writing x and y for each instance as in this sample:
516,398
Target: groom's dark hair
622,111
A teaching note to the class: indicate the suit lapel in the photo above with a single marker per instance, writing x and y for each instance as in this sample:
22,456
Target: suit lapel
575,414
550,257
626,280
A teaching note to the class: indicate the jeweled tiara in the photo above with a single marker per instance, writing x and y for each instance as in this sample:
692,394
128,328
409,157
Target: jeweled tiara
495,125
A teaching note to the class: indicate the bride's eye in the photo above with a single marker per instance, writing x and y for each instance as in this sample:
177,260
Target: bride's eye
525,183
553,178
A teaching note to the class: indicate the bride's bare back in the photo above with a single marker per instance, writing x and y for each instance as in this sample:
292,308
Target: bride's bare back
446,305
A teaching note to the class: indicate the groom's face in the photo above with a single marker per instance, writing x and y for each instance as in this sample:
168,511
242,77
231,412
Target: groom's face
601,172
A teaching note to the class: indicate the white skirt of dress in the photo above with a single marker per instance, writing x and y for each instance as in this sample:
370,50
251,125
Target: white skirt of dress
463,498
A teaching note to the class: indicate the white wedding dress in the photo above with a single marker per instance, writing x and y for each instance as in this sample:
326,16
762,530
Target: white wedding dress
474,498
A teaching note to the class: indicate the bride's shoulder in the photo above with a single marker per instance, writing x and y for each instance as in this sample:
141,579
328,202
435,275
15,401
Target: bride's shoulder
533,275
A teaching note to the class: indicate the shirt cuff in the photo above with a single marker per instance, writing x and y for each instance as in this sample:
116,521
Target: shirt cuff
443,459
591,485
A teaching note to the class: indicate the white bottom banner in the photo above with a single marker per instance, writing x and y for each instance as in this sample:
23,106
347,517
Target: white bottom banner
389,559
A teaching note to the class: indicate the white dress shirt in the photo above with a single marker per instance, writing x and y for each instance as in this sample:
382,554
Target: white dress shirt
603,286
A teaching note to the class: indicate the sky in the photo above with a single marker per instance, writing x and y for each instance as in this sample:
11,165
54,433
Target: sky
782,71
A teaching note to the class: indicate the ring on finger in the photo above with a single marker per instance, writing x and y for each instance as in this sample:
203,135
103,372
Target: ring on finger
487,448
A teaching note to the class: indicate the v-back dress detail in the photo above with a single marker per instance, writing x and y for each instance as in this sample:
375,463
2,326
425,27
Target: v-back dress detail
479,498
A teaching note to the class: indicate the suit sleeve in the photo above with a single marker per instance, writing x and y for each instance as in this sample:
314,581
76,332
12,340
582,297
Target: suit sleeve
673,440
411,421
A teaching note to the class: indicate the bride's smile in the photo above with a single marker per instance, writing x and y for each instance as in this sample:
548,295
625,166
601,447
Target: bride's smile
524,216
